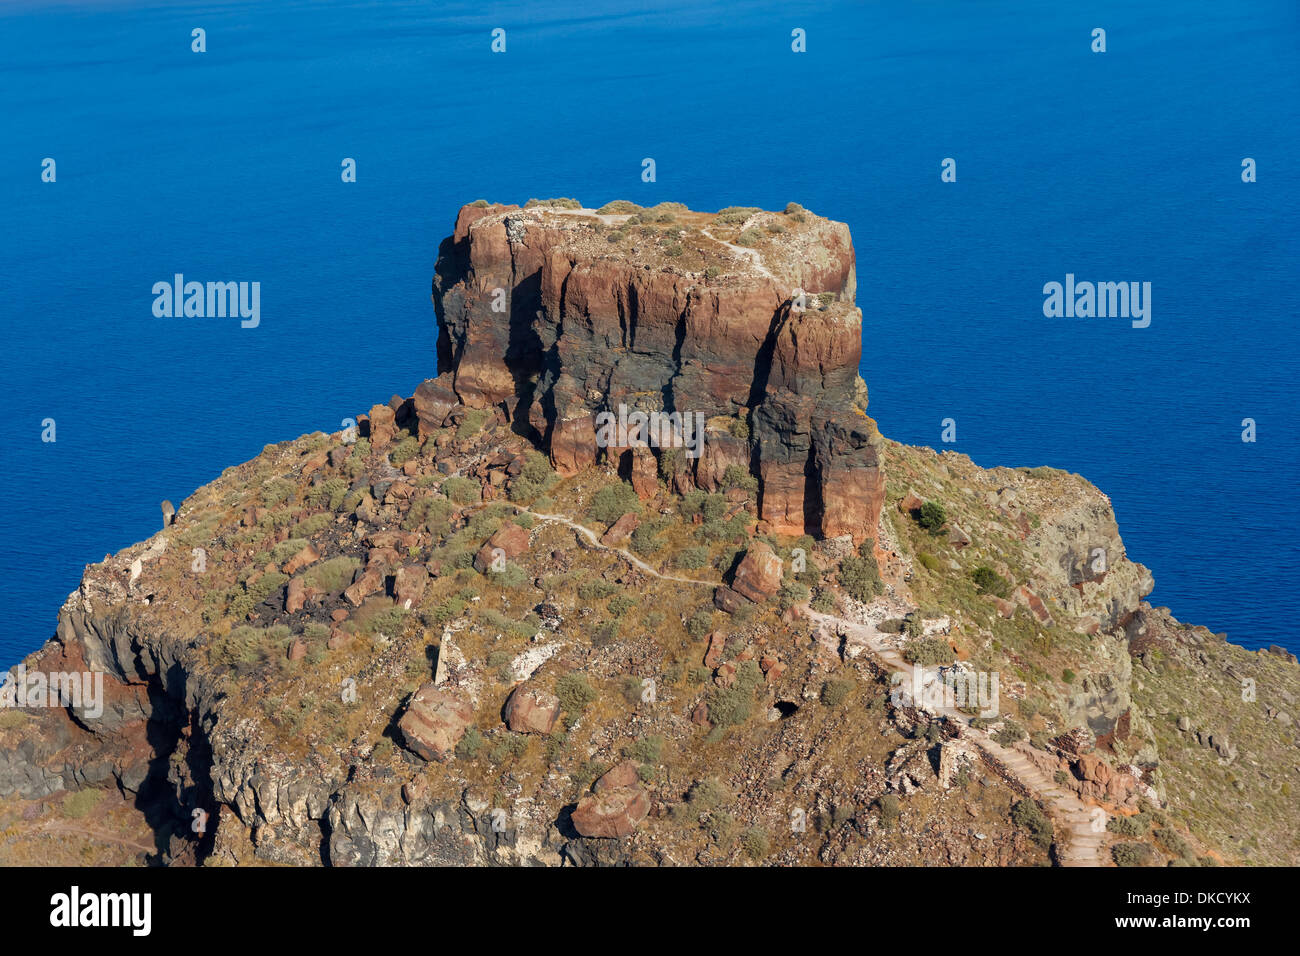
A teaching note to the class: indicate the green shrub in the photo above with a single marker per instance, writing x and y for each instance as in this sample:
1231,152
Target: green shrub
536,468
836,692
286,549
463,491
928,652
756,843
1028,815
473,421
1009,733
750,237
575,694
737,476
561,203
734,215
928,561
333,575
470,744
707,794
277,492
647,749
988,581
792,593
700,623
404,450
1133,826
692,559
618,207
645,538
1068,676
594,589
266,585
620,604
860,577
1132,854
890,810
612,502
310,527
931,516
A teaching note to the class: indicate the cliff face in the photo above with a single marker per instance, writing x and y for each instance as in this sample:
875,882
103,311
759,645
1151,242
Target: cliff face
557,315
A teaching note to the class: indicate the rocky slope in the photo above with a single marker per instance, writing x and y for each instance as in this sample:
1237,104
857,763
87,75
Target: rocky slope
472,633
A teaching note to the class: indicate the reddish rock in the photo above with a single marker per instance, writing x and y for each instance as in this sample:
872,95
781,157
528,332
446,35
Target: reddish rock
623,774
338,455
716,645
1005,608
700,715
529,710
805,421
369,583
338,639
510,538
644,474
725,599
1022,595
614,812
314,462
726,675
297,650
306,556
339,615
910,502
383,425
295,596
621,530
435,720
957,537
409,584
1077,741
382,558
772,668
758,576
1093,769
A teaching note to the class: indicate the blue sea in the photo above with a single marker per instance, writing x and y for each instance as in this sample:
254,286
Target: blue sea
225,165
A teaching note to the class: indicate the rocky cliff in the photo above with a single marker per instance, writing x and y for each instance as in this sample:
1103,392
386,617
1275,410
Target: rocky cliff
556,315
425,641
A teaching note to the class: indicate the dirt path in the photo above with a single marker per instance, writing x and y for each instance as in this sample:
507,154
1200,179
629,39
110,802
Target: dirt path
95,835
751,254
1079,842
625,555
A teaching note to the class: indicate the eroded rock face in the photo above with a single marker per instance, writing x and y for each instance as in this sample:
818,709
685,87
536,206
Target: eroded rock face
540,315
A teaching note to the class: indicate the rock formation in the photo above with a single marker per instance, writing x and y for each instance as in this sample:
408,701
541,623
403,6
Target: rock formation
542,315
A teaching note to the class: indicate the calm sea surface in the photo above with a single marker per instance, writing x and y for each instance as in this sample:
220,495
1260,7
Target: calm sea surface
1122,166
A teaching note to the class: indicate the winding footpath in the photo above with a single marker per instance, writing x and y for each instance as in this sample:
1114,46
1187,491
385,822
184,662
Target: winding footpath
752,255
1079,840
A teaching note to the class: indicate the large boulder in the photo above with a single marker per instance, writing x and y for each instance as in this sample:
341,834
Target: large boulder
510,538
621,530
613,812
435,720
530,710
409,584
758,575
